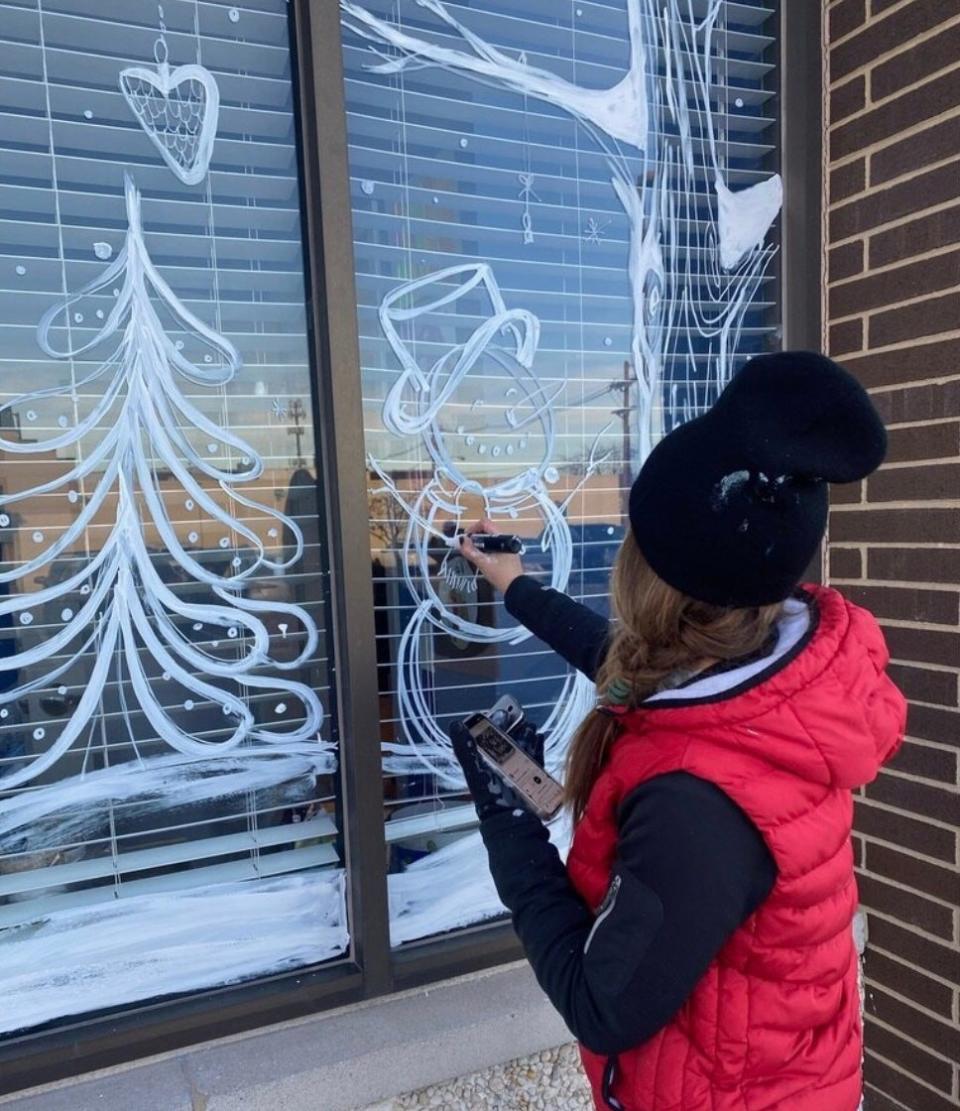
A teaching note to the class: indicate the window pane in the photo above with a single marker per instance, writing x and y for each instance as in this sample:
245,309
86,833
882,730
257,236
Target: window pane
564,226
168,812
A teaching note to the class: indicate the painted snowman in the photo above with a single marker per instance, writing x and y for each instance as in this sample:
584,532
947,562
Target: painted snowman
487,423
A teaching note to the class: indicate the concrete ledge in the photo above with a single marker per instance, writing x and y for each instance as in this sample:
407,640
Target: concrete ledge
336,1061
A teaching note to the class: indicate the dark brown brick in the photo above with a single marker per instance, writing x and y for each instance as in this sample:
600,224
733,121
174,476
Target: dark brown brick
914,151
907,981
907,1091
846,493
847,99
930,763
876,1100
912,833
932,482
931,723
846,16
906,198
896,1012
934,1070
879,6
884,35
919,875
924,441
934,401
931,646
846,563
922,952
915,321
929,275
858,850
911,363
939,229
924,685
846,336
896,116
907,906
926,565
844,262
893,526
914,65
940,607
848,179
917,798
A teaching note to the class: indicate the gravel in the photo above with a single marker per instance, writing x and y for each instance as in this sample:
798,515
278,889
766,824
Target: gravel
549,1081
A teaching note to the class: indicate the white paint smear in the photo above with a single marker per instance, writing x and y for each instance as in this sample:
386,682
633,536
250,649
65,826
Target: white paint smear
745,217
101,957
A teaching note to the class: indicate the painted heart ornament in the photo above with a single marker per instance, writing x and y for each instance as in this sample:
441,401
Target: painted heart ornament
178,110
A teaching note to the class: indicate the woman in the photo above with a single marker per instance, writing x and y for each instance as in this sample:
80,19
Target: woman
698,942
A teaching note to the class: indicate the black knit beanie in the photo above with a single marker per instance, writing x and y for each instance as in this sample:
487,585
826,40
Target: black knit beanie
729,508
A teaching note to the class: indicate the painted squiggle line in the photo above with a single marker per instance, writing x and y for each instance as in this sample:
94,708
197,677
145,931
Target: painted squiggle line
127,604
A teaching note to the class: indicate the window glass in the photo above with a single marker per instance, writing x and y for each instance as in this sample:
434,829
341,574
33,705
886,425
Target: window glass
168,819
564,220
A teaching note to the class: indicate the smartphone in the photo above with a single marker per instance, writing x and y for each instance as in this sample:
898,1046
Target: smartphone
542,793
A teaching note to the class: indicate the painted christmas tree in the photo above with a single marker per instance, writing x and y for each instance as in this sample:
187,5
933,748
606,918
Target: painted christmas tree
162,608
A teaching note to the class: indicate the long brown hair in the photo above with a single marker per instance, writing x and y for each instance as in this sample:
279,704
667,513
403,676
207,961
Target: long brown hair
659,632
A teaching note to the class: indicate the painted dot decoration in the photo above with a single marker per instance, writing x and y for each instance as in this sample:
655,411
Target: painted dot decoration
551,474
197,627
116,293
460,430
26,618
61,691
85,589
496,451
102,250
99,314
4,520
166,676
226,709
739,102
367,187
232,631
471,440
436,200
272,533
4,713
509,449
193,537
482,449
66,614
31,415
39,733
233,15
236,561
38,537
224,542
281,707
87,114
179,345
62,421
189,704
21,270
464,143
607,341
72,496
188,504
212,449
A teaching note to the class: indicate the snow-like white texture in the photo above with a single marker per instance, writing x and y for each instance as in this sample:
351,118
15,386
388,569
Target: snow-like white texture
620,111
744,217
67,812
147,946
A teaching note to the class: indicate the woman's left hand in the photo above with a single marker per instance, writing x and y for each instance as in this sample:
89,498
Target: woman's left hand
492,794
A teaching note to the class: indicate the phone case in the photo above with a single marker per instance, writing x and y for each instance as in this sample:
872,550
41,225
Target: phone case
540,790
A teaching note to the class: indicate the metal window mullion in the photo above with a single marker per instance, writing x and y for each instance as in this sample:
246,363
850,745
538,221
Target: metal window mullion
341,457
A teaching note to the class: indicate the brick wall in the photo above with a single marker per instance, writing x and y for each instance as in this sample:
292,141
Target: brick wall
892,315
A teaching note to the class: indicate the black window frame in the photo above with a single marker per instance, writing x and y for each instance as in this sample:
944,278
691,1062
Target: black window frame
371,968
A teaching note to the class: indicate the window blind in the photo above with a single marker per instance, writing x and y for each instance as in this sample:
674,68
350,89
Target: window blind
564,217
167,759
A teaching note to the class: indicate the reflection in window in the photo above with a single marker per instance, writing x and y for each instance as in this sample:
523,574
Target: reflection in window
562,220
167,775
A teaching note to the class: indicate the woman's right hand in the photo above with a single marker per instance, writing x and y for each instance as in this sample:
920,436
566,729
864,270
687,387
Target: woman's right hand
498,568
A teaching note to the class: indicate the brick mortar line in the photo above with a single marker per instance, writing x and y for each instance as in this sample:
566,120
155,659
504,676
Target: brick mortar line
868,1089
870,105
902,849
892,225
910,1075
886,55
937,822
909,777
904,424
906,464
939,380
925,665
891,267
921,626
908,503
862,545
902,1033
879,145
887,917
903,302
896,584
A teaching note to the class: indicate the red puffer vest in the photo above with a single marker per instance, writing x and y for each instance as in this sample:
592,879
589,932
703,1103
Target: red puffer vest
775,1020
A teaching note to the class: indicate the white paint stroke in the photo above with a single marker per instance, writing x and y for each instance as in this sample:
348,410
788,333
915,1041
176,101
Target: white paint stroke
178,110
620,111
148,946
68,811
126,602
745,217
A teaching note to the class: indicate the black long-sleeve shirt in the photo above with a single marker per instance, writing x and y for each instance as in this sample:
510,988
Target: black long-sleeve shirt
690,868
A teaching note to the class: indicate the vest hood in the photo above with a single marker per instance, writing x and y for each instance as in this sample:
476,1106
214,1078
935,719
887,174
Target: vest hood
830,715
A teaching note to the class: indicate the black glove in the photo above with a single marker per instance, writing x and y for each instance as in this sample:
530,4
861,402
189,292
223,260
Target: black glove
491,794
